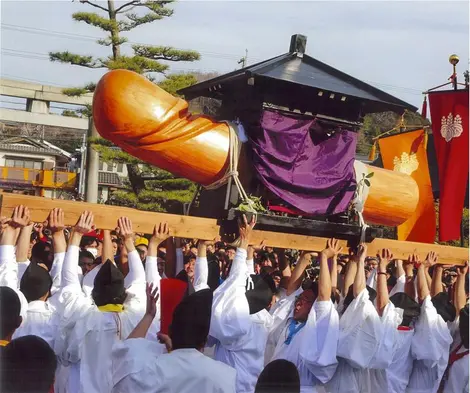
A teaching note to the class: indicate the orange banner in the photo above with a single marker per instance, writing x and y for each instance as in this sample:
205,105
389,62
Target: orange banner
406,153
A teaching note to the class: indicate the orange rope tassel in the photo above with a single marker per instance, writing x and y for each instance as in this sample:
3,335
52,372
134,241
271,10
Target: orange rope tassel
372,152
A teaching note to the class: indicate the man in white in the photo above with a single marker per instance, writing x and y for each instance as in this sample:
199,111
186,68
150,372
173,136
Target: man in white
140,367
240,322
309,337
88,331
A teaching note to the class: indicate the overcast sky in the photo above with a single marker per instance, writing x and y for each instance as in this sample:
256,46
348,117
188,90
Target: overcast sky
400,47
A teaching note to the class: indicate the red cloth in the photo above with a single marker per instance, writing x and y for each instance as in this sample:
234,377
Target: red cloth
449,116
172,292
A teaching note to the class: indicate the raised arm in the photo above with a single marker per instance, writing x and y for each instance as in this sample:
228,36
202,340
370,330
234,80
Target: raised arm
141,329
136,269
436,282
324,281
385,256
57,226
69,270
107,253
201,270
460,298
409,275
360,281
22,245
297,275
351,270
159,235
423,289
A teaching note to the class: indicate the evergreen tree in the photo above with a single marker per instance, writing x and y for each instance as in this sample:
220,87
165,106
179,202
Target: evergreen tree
149,188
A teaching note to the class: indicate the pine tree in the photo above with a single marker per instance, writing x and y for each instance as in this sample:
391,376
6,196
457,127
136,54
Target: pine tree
149,188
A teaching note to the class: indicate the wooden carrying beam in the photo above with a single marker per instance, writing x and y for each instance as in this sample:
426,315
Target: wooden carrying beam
207,229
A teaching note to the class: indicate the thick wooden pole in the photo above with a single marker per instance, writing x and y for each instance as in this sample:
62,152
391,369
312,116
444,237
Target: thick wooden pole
207,229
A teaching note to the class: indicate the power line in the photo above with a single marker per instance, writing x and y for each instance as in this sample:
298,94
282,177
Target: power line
80,37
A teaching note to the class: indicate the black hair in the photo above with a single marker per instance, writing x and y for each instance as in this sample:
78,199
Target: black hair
10,309
28,366
41,253
88,240
188,258
279,376
86,254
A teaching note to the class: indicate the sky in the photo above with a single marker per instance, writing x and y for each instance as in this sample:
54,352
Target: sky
401,47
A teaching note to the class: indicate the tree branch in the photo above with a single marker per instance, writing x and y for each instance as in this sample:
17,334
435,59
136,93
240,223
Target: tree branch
94,5
134,2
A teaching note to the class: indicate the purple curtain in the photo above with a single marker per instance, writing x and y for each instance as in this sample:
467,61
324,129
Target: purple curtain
302,165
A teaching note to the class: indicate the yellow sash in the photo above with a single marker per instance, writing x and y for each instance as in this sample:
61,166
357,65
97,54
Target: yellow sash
111,308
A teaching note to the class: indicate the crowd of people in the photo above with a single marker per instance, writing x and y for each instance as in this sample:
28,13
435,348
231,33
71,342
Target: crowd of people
81,312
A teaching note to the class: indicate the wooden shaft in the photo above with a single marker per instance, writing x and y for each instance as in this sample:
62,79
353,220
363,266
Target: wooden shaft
207,229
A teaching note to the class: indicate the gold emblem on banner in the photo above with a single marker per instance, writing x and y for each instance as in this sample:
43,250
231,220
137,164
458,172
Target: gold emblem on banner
451,127
406,163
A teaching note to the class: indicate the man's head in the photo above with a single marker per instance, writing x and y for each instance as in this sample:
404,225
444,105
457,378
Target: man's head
230,252
463,326
259,292
10,308
279,376
86,261
42,252
267,259
36,283
304,303
191,321
161,266
372,263
411,309
189,264
142,246
91,243
29,365
115,244
108,287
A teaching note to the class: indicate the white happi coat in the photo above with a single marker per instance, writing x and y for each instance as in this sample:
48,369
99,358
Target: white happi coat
430,349
365,346
240,337
140,367
87,335
313,348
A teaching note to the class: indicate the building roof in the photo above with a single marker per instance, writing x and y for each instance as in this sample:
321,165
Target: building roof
305,71
109,179
23,144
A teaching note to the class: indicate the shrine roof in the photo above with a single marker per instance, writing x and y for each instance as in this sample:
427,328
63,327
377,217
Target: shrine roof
303,70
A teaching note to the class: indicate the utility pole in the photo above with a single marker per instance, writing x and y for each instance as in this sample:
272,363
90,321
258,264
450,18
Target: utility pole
244,60
81,184
92,165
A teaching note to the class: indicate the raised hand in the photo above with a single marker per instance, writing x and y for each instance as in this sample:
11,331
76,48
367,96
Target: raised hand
332,248
165,339
125,228
362,252
431,259
246,227
84,223
160,233
20,217
152,298
385,256
56,220
462,270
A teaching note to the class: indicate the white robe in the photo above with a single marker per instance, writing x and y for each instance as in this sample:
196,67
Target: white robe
313,348
365,346
457,381
430,349
241,337
399,371
86,335
140,367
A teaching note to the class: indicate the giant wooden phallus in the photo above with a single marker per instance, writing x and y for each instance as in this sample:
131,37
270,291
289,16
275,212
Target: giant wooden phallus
156,127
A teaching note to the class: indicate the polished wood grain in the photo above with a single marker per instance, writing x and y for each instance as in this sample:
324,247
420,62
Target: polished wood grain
207,229
156,127
392,198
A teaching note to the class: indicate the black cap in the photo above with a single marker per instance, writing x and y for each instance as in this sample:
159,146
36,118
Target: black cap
279,376
411,308
191,320
260,296
109,285
35,283
444,307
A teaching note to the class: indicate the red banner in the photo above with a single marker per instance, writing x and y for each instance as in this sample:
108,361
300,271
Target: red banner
449,116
